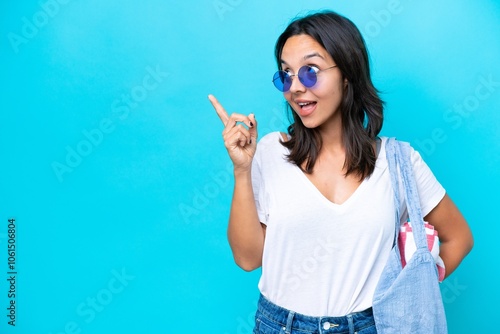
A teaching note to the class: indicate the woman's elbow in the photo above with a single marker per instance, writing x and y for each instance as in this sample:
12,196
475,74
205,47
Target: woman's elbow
247,264
469,243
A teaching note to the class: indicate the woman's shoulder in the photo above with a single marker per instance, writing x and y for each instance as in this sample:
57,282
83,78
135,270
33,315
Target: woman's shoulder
385,139
273,138
416,157
270,146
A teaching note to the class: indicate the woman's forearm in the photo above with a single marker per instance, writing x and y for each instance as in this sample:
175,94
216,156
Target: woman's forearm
245,232
452,252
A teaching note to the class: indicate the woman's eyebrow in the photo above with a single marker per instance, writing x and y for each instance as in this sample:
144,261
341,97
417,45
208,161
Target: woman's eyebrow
314,54
311,55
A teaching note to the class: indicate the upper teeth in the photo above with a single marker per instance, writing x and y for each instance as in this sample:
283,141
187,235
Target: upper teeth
304,103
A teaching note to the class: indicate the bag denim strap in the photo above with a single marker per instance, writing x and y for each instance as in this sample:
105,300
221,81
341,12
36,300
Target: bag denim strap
391,156
398,154
412,198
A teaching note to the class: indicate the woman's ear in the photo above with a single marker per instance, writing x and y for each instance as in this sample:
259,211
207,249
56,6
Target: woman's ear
345,83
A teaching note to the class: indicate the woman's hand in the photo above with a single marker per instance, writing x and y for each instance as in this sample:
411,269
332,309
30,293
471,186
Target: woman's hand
240,140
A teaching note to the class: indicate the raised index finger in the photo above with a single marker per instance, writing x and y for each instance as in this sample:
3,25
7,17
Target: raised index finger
221,112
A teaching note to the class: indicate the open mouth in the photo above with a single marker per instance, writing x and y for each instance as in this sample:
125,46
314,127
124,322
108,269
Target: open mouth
305,104
306,107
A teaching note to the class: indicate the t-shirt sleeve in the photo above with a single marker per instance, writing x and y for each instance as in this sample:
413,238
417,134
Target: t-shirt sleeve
430,191
258,188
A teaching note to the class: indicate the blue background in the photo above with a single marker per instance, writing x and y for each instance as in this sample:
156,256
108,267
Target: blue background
120,184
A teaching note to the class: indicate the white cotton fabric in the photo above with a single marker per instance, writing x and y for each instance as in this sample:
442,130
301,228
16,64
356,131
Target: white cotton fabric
322,258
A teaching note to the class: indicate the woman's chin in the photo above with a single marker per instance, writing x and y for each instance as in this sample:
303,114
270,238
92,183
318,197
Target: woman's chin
309,123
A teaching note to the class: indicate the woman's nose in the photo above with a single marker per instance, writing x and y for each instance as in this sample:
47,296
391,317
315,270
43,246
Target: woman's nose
296,85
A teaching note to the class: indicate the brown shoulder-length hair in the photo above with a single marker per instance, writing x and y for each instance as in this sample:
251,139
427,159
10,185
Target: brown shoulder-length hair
361,107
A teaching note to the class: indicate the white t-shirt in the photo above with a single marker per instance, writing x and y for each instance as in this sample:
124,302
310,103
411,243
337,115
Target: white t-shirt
322,258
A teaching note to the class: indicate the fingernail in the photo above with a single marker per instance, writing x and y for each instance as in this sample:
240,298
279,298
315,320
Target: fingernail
251,124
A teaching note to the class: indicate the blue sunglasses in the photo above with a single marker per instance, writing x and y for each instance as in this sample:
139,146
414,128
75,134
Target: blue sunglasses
308,76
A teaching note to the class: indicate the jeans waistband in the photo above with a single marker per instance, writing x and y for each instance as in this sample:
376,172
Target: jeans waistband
290,320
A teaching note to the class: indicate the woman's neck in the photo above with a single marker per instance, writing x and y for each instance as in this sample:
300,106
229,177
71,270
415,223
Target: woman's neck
331,137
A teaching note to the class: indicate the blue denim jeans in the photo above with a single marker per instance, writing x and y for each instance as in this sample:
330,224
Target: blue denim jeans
273,319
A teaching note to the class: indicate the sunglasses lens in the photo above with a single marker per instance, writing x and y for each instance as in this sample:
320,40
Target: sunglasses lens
307,75
282,81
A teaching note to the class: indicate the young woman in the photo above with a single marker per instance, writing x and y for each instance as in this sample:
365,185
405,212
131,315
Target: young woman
315,207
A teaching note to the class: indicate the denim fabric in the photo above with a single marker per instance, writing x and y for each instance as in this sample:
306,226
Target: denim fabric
273,319
408,300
